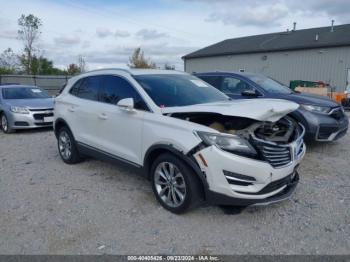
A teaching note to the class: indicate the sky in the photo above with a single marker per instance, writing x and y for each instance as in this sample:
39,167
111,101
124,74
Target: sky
105,32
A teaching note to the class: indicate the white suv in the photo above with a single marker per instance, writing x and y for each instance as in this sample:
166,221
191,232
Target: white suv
193,142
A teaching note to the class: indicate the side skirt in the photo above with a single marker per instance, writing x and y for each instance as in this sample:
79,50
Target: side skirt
93,152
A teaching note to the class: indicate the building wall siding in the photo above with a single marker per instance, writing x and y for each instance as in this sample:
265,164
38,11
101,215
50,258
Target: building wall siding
329,65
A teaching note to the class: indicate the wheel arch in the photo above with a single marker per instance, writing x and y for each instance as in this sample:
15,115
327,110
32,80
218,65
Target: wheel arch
296,115
156,150
60,123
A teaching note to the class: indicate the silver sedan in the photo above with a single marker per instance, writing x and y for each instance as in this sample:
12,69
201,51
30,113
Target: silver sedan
24,107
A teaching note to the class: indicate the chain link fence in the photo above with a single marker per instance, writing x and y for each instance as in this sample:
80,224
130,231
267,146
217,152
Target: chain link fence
50,83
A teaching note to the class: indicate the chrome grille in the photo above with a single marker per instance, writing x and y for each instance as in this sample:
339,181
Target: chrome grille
300,147
276,155
40,109
279,155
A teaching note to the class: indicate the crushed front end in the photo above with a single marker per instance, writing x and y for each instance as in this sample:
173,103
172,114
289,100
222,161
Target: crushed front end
251,162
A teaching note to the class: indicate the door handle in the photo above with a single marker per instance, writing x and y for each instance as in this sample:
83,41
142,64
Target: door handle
71,109
102,116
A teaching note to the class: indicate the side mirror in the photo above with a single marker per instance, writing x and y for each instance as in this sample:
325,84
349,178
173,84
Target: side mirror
126,104
250,93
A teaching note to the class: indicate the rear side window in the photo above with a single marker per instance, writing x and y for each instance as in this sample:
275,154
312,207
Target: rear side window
89,88
75,88
215,81
232,85
115,88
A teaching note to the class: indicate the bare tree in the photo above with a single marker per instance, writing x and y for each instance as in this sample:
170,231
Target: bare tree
9,61
169,67
73,69
81,64
138,60
29,32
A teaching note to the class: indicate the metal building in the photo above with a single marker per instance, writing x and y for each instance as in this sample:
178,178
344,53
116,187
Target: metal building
316,54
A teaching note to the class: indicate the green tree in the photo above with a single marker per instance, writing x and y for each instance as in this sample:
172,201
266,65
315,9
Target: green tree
138,60
29,32
44,66
5,71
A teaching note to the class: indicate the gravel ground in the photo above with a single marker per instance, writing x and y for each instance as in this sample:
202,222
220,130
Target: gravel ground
48,207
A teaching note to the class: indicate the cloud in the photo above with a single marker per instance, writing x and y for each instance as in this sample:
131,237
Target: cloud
160,53
8,34
86,44
105,32
259,17
336,9
147,34
121,33
65,40
271,12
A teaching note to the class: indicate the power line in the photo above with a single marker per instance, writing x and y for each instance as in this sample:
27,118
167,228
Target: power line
118,15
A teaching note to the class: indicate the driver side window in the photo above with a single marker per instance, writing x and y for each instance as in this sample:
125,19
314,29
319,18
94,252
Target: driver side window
234,86
115,88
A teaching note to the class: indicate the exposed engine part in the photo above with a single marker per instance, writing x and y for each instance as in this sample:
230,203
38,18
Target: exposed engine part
221,128
208,119
281,132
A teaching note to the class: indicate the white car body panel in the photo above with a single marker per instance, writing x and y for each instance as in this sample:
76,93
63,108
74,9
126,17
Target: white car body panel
259,109
119,132
159,129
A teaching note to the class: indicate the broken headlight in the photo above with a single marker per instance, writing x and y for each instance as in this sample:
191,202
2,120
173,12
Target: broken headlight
231,143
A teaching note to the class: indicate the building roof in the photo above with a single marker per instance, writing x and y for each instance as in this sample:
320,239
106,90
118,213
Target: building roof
321,37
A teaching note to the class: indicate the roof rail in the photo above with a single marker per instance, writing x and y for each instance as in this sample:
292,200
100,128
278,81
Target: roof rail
111,68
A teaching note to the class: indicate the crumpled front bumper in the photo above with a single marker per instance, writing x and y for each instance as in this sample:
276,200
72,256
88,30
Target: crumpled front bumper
252,182
286,193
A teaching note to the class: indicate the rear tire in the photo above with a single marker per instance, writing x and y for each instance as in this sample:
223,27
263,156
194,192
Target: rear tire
174,184
67,146
5,124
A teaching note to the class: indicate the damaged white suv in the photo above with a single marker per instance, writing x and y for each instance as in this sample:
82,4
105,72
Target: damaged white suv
192,141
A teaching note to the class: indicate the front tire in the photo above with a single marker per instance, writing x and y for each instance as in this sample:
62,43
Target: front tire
67,147
174,184
5,126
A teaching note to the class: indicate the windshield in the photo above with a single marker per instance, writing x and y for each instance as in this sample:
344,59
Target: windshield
179,90
270,85
24,93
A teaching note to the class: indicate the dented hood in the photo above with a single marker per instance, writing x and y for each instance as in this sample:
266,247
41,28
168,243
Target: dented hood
259,109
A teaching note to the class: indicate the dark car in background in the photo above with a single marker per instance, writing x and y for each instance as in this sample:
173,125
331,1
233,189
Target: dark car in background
323,118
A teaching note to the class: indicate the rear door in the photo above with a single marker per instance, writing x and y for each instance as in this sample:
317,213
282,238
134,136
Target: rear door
83,110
